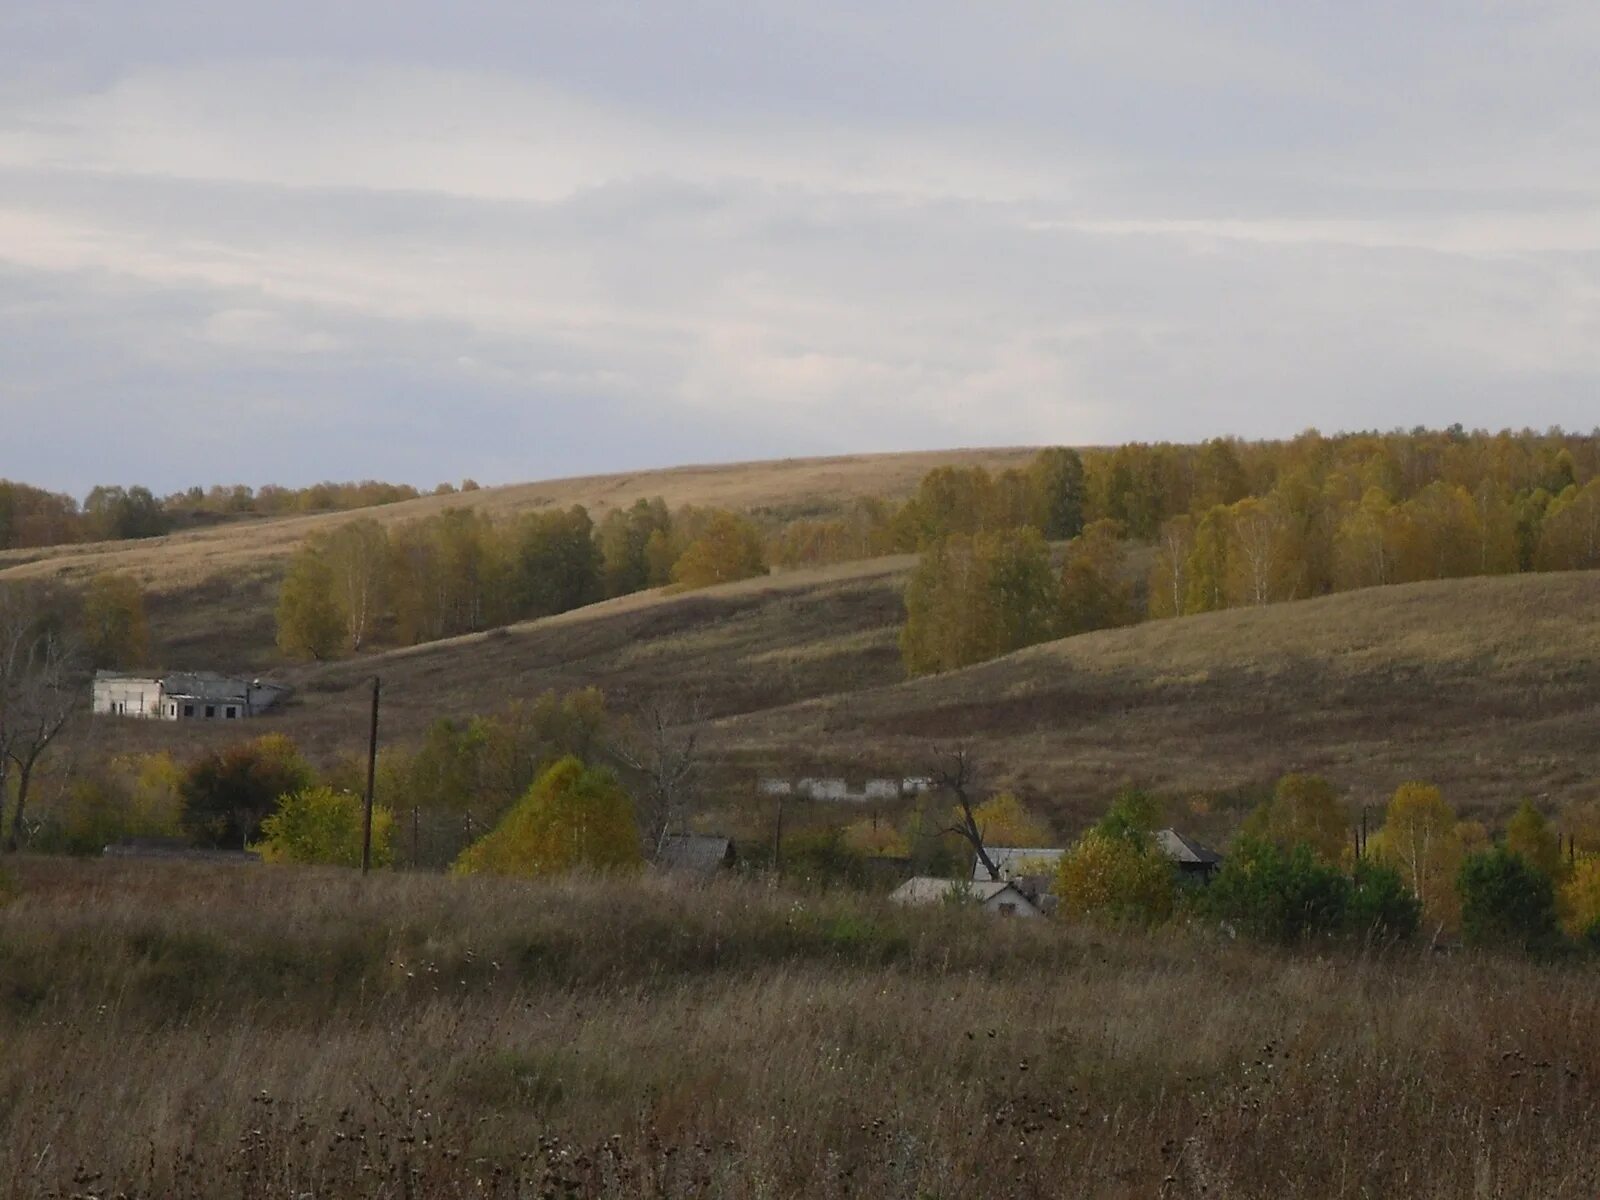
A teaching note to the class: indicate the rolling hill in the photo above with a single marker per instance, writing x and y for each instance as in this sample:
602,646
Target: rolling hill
1489,687
210,591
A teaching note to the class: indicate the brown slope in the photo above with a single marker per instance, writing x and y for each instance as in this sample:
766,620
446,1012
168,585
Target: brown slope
1489,687
744,647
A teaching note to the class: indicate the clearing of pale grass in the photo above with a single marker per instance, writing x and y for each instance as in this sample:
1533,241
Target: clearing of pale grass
186,1031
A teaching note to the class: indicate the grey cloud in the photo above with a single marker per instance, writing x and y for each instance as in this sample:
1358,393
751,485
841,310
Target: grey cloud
284,242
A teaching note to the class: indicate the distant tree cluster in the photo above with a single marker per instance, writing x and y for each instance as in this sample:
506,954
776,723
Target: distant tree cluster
32,517
1231,524
459,571
1299,871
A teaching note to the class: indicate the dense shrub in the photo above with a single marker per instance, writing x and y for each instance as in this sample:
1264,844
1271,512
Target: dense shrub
572,817
1506,903
1288,896
1116,878
320,825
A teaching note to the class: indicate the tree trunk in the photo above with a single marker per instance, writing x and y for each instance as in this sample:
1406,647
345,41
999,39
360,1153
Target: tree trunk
24,778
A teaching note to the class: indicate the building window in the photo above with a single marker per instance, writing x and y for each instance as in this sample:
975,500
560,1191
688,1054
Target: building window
188,710
211,711
1008,910
174,711
232,712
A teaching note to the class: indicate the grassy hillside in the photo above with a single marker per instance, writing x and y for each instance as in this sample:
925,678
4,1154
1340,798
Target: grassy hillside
188,1031
211,590
1490,687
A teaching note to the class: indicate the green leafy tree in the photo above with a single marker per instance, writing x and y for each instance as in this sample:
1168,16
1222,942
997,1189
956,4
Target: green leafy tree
309,622
573,817
228,794
319,825
624,539
972,599
1056,484
1507,904
1132,818
116,631
555,563
1094,593
1288,896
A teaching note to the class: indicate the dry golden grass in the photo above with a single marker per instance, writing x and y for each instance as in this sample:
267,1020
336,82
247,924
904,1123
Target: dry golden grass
186,1031
1489,687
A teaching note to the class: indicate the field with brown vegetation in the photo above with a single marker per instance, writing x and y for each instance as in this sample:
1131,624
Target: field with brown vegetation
180,1030
1489,687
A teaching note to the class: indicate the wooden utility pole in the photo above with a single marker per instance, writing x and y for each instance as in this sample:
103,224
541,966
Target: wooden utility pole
372,779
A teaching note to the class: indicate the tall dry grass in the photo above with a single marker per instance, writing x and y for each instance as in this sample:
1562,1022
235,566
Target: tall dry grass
176,1030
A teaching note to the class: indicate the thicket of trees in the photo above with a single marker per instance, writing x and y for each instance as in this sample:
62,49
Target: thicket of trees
459,571
1227,524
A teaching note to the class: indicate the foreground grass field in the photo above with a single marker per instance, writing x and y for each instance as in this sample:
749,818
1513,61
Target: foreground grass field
189,1031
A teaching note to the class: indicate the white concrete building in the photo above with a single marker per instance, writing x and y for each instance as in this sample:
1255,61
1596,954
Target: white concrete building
186,696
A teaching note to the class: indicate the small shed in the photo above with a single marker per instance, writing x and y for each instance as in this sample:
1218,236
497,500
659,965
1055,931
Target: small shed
993,895
1195,862
702,855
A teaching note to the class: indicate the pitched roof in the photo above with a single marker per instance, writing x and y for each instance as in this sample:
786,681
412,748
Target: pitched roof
1183,850
697,853
1014,862
926,889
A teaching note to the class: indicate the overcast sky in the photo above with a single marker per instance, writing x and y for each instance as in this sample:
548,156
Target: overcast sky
418,241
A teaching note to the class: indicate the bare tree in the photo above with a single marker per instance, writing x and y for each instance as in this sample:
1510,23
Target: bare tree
661,745
40,681
956,773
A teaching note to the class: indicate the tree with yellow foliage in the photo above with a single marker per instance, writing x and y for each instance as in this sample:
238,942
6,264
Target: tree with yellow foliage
1579,900
1420,838
1304,810
572,817
1003,820
318,825
1530,838
875,838
729,549
1112,878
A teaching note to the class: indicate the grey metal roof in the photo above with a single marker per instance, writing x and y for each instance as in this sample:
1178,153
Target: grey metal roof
1185,850
1014,862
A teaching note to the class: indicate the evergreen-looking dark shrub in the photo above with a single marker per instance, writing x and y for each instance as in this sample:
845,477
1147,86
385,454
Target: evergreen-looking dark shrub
1506,903
1288,896
1380,908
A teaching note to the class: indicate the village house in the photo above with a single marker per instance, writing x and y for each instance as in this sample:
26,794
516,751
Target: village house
998,896
183,696
1195,863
